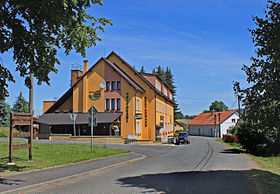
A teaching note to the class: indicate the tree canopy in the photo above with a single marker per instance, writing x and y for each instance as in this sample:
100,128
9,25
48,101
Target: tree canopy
168,78
21,105
142,70
259,131
217,106
4,114
35,30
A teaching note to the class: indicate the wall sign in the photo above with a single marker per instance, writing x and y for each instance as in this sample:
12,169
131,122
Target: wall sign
95,95
138,116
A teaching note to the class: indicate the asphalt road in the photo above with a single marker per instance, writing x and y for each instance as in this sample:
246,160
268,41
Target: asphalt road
204,166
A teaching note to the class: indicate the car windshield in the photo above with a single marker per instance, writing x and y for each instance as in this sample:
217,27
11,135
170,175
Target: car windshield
183,134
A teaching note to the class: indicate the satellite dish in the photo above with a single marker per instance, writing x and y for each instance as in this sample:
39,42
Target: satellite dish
102,85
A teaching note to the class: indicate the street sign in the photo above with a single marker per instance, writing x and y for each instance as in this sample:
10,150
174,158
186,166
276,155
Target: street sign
93,121
138,116
73,116
92,110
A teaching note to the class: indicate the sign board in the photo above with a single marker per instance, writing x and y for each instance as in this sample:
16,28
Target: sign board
95,95
138,116
93,120
215,130
20,119
92,110
73,116
132,137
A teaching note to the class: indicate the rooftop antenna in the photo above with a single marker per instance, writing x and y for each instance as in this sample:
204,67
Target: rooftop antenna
76,66
104,52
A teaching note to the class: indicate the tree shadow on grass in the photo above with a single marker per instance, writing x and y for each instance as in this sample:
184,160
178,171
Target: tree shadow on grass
5,167
220,181
264,181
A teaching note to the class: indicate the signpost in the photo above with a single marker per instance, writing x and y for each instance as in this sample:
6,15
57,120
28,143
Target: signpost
93,123
73,117
20,119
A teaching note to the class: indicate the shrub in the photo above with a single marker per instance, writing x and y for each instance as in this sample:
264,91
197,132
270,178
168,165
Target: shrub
259,136
230,138
2,134
158,139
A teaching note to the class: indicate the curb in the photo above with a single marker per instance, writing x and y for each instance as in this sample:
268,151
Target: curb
63,165
77,176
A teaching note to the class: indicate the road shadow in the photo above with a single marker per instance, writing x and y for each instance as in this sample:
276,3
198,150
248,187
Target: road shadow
7,181
232,151
216,182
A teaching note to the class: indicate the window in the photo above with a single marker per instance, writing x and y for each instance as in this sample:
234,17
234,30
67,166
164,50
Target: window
158,85
107,86
118,85
233,120
118,104
113,85
112,104
165,91
107,104
138,128
138,105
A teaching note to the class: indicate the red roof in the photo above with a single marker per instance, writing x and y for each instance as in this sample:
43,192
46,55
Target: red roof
208,118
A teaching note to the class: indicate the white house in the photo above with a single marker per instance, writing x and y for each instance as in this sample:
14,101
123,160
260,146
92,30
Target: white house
206,124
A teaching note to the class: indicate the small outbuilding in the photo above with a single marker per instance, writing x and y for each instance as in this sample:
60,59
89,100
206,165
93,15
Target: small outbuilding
213,123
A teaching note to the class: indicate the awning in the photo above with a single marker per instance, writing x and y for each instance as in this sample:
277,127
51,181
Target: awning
82,118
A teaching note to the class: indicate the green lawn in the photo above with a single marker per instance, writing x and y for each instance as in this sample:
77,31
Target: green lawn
265,179
5,131
47,155
183,121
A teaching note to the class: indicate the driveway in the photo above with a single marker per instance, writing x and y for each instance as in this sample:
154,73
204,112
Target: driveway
204,166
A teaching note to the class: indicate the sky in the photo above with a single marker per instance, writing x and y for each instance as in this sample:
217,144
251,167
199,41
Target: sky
203,42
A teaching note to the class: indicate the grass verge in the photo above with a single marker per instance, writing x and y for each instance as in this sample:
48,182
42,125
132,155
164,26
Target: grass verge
48,155
5,131
266,179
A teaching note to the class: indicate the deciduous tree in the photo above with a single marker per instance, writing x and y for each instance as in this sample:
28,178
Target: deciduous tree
259,131
35,29
217,106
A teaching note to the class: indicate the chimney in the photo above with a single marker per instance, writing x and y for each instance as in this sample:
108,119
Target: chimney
85,66
75,75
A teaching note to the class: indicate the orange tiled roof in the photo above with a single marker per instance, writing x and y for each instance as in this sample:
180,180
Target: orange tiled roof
208,118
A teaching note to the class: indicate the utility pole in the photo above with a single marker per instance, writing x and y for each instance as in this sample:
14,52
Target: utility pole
31,112
215,130
219,125
31,94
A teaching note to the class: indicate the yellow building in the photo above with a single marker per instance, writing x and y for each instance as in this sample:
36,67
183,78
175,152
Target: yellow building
128,102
